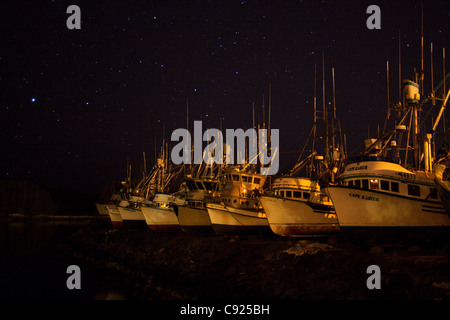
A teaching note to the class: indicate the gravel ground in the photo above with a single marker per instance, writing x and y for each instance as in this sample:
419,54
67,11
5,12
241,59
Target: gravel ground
141,264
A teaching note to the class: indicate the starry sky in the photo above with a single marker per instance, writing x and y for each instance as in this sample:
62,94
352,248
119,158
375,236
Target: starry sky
76,104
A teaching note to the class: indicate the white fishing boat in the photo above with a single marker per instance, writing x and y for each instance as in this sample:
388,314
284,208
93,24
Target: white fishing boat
441,170
124,206
375,192
159,215
193,215
130,211
238,208
442,181
114,215
102,209
298,207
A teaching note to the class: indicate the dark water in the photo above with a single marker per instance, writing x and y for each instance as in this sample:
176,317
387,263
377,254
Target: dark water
34,267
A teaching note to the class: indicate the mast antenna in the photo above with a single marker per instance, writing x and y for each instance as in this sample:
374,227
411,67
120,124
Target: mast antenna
315,108
421,55
399,67
387,91
270,107
325,117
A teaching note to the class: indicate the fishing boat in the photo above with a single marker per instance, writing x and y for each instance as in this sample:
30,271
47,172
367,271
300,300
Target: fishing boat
120,199
130,211
115,217
442,182
193,215
159,214
382,191
133,195
102,208
114,199
138,196
376,193
296,205
237,208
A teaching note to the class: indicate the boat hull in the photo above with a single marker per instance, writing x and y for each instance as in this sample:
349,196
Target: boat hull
131,217
442,186
115,217
226,219
193,219
296,218
160,219
368,208
102,209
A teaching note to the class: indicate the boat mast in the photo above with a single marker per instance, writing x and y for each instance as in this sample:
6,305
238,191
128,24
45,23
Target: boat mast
313,151
387,91
421,55
325,117
334,113
443,90
399,68
270,107
145,165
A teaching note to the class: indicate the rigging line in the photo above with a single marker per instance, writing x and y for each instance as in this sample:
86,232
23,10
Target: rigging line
304,146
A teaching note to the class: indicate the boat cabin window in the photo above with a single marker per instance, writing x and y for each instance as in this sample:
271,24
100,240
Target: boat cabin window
413,190
199,185
350,183
282,193
245,179
208,185
289,194
384,185
374,184
297,194
235,177
191,185
256,180
229,177
365,183
433,193
306,195
358,183
395,187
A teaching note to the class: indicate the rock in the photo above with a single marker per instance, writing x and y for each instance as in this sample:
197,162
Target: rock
308,247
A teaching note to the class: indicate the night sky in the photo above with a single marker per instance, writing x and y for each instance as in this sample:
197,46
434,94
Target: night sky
75,104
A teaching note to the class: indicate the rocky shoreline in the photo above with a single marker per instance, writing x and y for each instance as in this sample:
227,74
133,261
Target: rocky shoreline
142,264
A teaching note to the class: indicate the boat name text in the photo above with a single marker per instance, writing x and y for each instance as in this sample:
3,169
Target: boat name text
407,175
363,197
357,168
